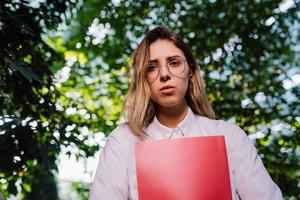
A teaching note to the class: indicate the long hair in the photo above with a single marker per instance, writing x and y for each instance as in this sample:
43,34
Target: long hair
139,108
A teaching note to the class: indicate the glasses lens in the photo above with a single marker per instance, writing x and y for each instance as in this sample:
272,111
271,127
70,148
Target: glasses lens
152,71
176,65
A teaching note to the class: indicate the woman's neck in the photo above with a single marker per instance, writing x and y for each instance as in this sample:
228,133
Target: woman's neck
172,116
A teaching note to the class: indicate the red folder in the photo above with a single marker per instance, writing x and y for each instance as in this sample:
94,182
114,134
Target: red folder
189,168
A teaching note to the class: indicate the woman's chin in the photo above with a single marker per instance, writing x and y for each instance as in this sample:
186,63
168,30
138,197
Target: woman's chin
169,104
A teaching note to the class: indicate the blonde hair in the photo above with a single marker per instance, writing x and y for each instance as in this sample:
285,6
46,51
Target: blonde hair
139,108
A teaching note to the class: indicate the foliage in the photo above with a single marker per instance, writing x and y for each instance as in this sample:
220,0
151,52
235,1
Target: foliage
82,189
32,127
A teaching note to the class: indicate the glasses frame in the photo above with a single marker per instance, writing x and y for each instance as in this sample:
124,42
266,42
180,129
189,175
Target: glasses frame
159,70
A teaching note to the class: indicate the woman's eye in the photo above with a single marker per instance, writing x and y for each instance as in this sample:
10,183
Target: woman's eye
174,63
151,67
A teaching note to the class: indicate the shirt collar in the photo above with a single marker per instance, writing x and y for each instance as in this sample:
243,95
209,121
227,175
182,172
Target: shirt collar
160,131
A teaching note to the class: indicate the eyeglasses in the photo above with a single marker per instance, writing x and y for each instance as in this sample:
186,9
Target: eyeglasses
175,65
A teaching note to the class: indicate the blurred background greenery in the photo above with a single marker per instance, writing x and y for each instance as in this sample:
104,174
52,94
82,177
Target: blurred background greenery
64,73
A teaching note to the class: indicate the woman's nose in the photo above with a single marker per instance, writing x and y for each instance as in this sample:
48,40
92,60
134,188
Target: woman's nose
164,73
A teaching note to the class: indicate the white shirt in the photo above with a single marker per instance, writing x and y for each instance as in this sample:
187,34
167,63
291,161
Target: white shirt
115,177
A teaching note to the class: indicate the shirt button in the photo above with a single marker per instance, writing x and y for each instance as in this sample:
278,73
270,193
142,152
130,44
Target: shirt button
176,133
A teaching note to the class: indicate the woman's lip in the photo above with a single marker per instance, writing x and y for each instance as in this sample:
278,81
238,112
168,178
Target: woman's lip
167,90
166,87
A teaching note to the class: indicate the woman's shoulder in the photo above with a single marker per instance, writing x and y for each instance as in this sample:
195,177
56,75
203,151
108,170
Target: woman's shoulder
217,124
118,138
231,130
122,133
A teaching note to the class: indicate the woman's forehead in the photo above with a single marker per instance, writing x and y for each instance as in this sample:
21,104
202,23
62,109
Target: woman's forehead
163,50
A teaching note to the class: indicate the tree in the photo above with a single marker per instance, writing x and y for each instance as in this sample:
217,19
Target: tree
33,129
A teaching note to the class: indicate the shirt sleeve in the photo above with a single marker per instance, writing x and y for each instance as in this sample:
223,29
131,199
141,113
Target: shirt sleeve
111,181
251,177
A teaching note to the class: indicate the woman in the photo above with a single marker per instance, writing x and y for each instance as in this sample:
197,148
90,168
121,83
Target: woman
167,100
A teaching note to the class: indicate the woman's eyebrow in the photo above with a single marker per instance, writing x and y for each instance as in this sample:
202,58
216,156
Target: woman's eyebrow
168,58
